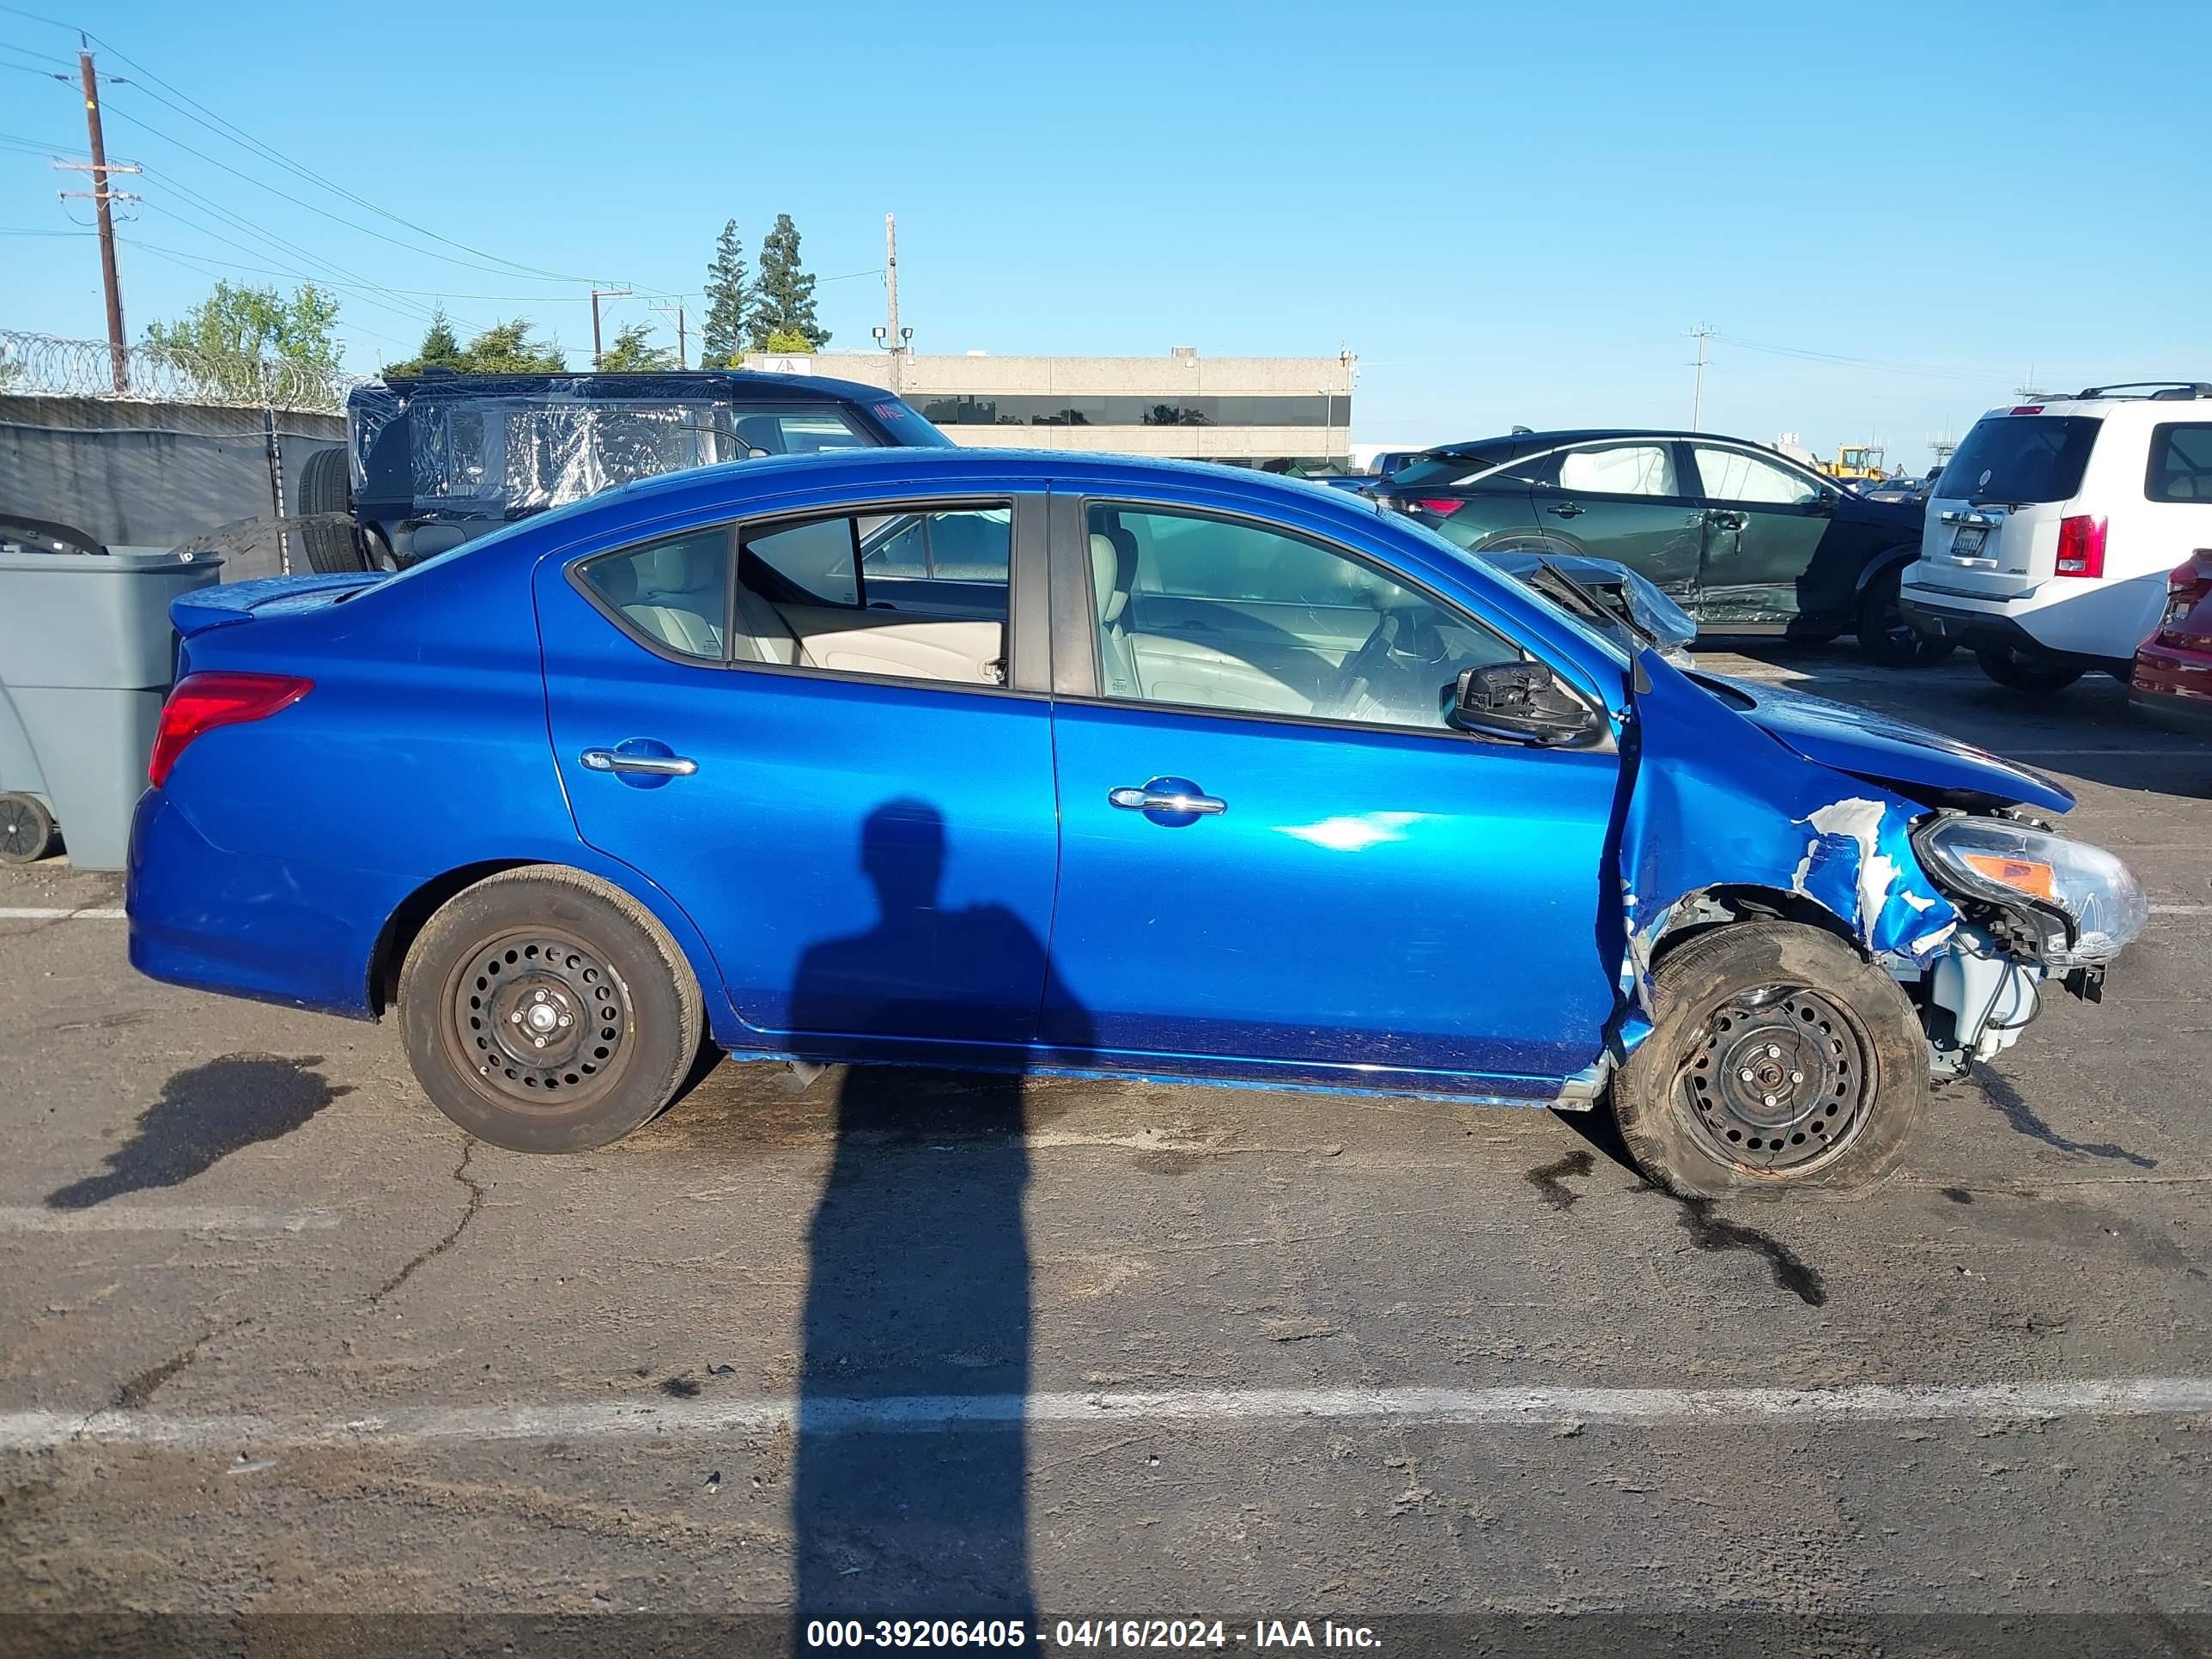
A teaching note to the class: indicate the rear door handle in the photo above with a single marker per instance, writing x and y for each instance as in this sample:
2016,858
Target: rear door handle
1564,510
1163,795
661,766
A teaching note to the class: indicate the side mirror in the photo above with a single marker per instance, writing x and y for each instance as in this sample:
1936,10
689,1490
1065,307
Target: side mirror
1523,702
1823,505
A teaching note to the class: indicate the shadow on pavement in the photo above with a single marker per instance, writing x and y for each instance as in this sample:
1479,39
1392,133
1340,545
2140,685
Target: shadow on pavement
918,1283
2025,1121
205,1115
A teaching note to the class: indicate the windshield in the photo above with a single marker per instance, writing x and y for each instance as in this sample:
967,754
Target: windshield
1611,639
2020,459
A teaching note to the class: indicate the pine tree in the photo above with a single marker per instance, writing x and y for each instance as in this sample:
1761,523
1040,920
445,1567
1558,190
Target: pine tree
730,302
783,298
633,352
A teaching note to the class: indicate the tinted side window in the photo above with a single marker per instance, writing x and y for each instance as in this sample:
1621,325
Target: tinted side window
1636,469
674,591
1733,475
2180,462
798,431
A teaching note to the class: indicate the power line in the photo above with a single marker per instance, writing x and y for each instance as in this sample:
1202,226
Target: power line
1807,354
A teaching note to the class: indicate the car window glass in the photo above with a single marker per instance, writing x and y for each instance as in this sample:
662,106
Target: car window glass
674,591
796,432
2020,459
1212,613
1735,475
2180,462
811,563
1619,470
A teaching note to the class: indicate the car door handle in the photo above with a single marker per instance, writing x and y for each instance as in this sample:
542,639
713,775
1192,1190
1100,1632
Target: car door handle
1151,799
1726,520
662,766
1564,510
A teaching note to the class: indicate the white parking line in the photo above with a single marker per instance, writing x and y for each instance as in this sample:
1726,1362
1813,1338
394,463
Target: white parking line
49,913
1796,1408
163,1218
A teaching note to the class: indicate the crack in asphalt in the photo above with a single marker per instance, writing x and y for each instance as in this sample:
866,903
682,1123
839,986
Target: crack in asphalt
475,1203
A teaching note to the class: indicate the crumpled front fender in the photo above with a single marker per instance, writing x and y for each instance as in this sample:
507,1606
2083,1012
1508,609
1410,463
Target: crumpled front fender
1712,801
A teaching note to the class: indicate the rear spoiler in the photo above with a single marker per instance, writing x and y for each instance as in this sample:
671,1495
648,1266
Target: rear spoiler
236,602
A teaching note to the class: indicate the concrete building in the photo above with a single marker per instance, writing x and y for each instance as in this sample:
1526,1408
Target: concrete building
1247,411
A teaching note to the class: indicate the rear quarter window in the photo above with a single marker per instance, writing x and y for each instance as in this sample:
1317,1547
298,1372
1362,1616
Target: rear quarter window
2180,462
2021,459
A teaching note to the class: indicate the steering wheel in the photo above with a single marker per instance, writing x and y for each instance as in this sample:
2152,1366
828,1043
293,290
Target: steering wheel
1356,679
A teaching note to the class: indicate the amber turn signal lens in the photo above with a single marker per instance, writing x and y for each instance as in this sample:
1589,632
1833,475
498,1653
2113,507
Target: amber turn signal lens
2027,875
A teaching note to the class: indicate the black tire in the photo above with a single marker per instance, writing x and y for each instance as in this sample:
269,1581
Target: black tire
330,547
1850,1081
545,937
27,829
2018,673
1886,637
324,486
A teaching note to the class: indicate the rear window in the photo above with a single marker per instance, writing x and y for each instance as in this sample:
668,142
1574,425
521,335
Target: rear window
2020,459
908,429
2180,462
1440,471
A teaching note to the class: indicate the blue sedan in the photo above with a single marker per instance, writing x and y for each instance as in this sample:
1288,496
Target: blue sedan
1043,763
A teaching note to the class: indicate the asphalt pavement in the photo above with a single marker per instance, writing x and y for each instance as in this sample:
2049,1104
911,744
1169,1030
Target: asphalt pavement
277,1342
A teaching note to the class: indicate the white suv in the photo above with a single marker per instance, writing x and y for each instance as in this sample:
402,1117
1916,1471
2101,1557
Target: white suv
2050,534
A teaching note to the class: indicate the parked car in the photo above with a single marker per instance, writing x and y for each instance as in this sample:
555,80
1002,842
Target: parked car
1904,487
1743,538
1186,772
434,459
2172,679
2051,531
1378,471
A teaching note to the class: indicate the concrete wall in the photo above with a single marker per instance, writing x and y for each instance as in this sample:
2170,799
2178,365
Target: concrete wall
143,474
1169,378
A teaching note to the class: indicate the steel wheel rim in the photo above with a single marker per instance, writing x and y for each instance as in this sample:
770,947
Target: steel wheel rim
539,1019
1779,1081
20,830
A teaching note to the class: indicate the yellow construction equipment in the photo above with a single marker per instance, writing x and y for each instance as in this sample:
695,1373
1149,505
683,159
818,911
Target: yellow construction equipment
1855,461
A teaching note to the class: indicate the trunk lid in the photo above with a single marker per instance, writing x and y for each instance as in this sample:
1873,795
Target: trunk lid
239,602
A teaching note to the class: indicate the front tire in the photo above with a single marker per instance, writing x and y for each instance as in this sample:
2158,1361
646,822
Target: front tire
2017,672
545,1010
1779,1058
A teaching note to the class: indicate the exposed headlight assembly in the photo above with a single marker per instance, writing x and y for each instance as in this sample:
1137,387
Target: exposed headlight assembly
2079,899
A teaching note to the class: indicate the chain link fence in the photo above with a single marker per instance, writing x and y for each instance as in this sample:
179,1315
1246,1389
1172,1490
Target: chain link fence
47,365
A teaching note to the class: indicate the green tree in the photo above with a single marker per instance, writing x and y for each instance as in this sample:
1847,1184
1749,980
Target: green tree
786,341
729,303
783,298
633,351
229,335
502,349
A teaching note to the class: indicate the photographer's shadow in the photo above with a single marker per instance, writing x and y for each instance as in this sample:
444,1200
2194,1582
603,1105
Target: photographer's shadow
918,1288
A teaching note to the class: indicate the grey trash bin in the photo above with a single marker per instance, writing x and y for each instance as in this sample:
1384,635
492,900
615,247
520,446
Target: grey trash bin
85,656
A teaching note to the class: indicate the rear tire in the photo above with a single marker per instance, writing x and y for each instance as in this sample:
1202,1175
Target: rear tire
321,502
1837,1060
2018,673
1886,637
545,1010
27,832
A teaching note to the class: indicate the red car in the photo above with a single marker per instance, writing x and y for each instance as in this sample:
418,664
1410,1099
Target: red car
2172,679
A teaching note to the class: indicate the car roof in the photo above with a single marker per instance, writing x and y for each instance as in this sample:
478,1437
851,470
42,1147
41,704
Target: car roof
1523,443
654,385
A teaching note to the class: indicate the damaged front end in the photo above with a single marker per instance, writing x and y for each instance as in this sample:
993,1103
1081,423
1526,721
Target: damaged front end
1969,907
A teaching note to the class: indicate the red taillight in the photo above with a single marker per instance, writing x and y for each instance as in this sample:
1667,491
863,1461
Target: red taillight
2082,547
201,703
1442,506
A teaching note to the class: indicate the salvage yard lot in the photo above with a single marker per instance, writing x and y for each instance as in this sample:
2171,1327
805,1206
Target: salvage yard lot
275,1337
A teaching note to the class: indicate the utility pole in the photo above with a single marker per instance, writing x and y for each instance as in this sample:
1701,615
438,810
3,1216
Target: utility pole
891,296
598,295
118,348
683,351
1701,333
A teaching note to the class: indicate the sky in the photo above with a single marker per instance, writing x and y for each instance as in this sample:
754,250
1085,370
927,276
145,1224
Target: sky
1890,216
